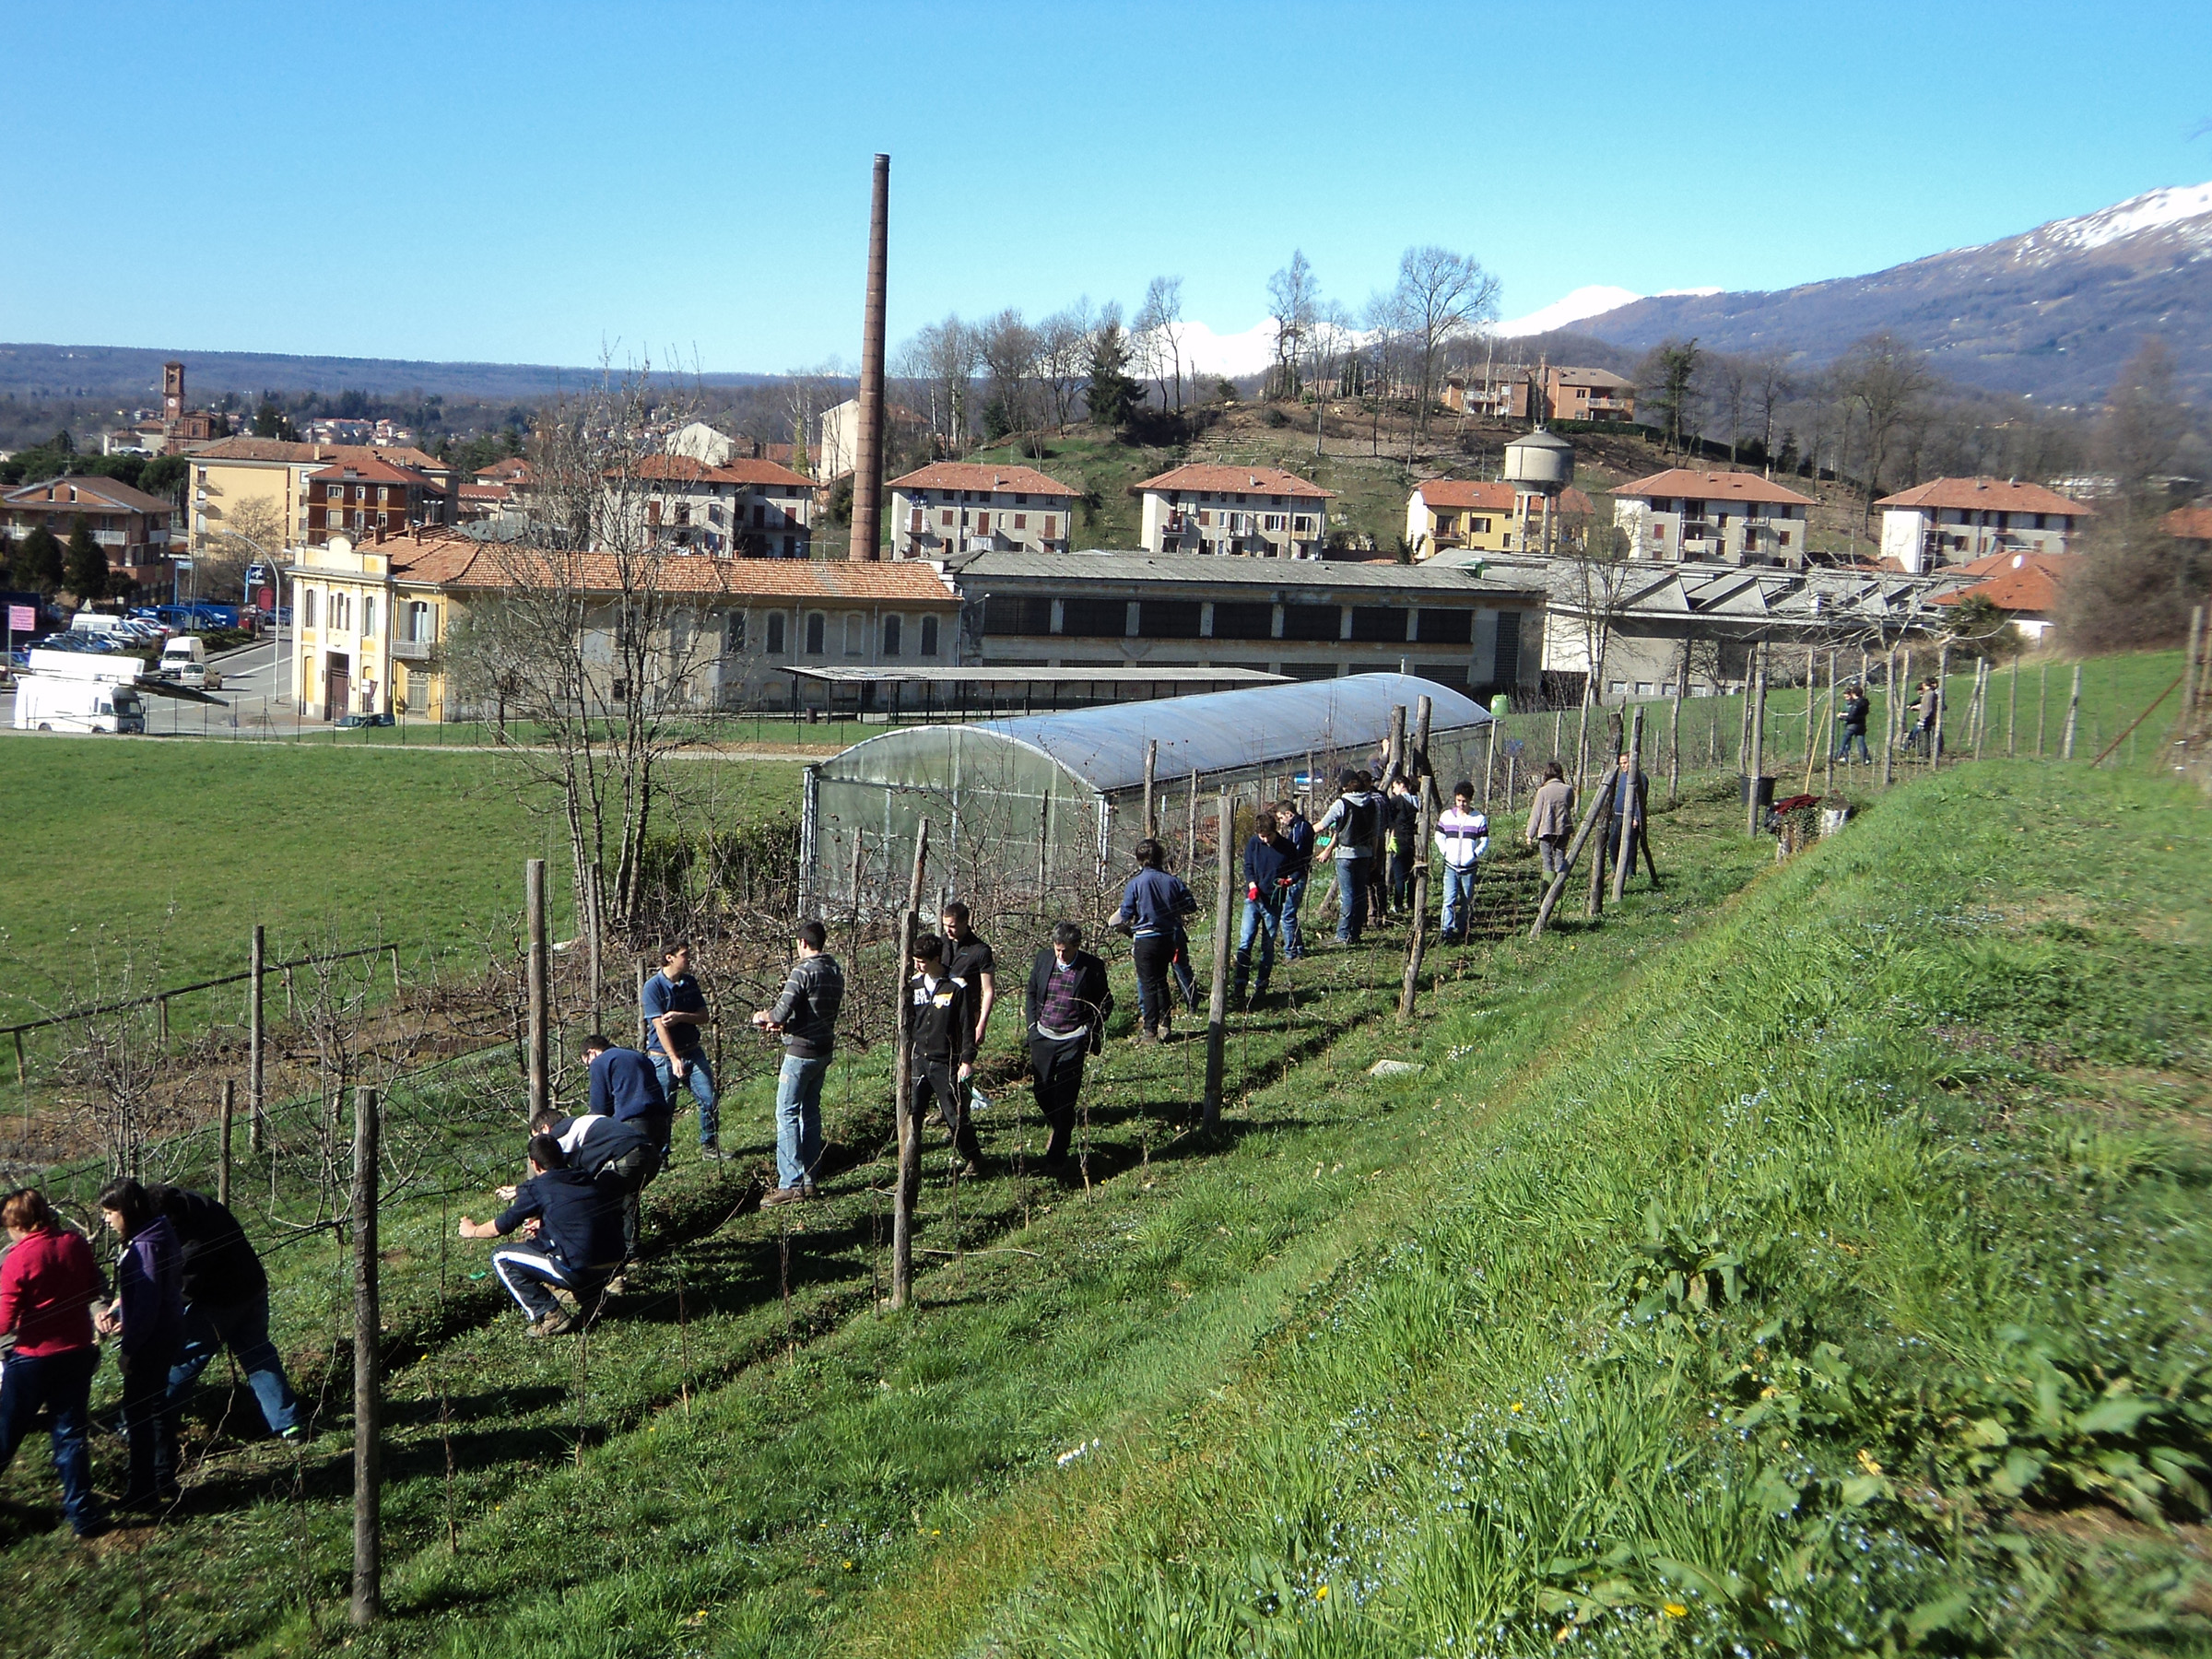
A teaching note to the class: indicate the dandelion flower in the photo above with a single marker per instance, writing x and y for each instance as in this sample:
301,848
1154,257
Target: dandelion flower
1675,1610
1517,1406
1322,1594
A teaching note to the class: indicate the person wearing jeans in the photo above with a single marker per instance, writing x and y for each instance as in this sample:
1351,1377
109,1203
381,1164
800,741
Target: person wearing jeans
47,1287
148,1317
673,1008
1463,836
1266,874
225,1305
1355,820
1298,835
805,1016
1852,724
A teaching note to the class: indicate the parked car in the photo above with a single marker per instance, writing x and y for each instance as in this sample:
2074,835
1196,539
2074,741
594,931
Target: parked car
351,720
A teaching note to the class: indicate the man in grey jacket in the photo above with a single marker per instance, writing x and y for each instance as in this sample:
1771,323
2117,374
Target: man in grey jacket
806,1017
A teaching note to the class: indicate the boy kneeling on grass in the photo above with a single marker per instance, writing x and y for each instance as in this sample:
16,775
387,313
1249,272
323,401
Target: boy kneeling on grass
573,1224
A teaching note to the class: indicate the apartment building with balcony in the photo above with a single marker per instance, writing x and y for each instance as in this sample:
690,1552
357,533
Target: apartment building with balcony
1488,515
130,526
953,507
737,509
1726,517
1959,520
371,501
1568,393
1261,512
232,471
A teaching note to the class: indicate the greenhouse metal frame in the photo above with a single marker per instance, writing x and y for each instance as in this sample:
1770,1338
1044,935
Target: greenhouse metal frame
1041,814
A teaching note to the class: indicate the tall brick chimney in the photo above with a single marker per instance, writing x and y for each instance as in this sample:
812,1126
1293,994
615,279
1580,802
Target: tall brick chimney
867,464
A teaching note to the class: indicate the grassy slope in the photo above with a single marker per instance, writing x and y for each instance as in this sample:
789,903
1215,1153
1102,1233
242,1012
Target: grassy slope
193,843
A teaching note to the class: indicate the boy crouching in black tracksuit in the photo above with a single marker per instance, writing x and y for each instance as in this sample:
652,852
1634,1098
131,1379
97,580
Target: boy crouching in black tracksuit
626,1154
941,1020
576,1243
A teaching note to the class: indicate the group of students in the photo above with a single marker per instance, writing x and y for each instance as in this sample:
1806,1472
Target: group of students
186,1285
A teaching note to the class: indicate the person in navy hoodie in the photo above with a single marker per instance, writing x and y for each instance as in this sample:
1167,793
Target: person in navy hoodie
1153,906
148,1320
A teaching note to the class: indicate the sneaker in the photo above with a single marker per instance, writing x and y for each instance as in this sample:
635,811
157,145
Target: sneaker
93,1529
971,1168
710,1144
810,1191
296,1435
552,1325
614,1287
783,1196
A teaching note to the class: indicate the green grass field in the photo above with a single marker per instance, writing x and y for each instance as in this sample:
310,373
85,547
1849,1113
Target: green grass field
1802,1260
173,851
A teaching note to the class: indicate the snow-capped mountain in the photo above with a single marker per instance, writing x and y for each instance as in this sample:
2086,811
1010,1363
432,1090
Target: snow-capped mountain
2054,312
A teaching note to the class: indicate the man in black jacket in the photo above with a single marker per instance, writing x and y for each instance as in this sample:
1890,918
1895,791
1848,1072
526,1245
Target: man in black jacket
575,1238
941,1020
624,1153
1065,1011
225,1305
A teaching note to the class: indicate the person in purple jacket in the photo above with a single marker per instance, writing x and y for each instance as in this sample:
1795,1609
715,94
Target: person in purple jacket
147,1319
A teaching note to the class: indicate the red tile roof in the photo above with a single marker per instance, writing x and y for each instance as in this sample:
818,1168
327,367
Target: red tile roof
1713,487
2190,523
282,448
88,492
689,469
1976,495
377,471
469,565
513,470
976,474
2016,582
1489,495
1244,480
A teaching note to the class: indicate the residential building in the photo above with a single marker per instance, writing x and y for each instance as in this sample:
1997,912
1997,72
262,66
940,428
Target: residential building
370,500
373,621
957,507
131,526
838,441
1491,516
2024,586
1568,393
514,471
1958,521
740,508
1208,508
232,471
1306,618
1728,517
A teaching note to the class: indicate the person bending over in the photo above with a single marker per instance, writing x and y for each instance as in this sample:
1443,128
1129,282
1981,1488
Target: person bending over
226,1306
609,1151
572,1232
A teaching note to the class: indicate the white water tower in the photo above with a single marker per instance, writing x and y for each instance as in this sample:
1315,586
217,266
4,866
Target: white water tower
1541,464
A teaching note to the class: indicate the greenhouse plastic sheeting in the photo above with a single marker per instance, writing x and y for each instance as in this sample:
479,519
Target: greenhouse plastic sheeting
1233,731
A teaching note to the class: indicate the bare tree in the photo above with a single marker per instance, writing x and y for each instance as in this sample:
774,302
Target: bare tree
1006,347
1731,385
252,531
598,639
942,356
1293,295
1886,382
1063,357
1156,337
1767,377
1440,296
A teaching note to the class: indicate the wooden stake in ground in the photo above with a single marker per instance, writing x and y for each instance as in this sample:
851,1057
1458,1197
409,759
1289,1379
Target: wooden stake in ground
1190,842
1626,848
253,1045
1943,704
1216,1011
368,1382
1151,772
1981,705
1581,735
1812,681
1591,818
1416,939
222,1170
538,1055
903,1070
2192,678
2066,741
1758,748
2012,709
2042,708
1674,731
1889,714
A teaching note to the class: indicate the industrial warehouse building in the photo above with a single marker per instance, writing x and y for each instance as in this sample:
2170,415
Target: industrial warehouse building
1047,808
1303,619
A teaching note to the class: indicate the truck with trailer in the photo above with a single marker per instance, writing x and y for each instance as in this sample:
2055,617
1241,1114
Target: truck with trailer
80,691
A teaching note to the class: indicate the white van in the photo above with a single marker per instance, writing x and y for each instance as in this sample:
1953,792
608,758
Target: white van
96,622
79,691
184,659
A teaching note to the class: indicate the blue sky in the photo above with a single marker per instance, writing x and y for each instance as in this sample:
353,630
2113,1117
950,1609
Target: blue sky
531,182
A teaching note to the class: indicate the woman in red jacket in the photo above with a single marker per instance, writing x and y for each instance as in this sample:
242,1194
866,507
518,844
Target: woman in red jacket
47,1287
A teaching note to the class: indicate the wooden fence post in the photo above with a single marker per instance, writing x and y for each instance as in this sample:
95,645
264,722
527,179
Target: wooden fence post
1151,772
254,1099
367,1383
222,1168
1627,848
1943,704
2193,683
1889,715
1758,748
538,1056
902,1071
2012,709
2066,742
1674,733
1417,935
1217,1008
1190,842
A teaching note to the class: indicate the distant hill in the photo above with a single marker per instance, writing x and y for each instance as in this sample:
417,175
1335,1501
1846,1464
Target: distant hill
2053,312
131,375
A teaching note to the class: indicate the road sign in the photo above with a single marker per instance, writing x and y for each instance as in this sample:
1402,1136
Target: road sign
22,619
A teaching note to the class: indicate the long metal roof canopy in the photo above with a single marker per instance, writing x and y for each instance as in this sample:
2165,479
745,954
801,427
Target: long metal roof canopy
1002,675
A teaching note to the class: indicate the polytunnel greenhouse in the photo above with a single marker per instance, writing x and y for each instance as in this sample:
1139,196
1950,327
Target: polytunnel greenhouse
1042,812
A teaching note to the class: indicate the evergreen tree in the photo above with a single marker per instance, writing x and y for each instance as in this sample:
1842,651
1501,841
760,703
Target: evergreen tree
1112,393
62,443
270,421
84,566
38,560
